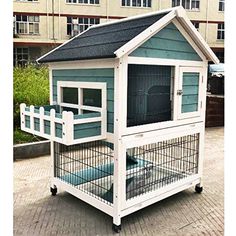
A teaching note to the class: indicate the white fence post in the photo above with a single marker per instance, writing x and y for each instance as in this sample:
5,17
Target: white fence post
67,127
32,118
52,123
41,120
22,115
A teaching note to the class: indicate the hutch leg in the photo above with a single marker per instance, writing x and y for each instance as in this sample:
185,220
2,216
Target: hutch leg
119,183
116,226
53,187
199,186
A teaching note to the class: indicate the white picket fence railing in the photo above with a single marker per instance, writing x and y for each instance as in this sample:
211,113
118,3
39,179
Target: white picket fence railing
67,122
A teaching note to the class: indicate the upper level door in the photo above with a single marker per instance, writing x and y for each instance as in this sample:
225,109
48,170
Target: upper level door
190,92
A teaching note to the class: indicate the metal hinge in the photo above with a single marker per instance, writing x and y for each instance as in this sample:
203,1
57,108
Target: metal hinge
202,78
179,92
201,104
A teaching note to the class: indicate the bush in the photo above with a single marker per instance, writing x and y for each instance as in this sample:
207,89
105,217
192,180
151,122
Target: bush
31,86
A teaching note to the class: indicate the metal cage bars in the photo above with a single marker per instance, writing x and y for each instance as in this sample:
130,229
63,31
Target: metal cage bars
89,167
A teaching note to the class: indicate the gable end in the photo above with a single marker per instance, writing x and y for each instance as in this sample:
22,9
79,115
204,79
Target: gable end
168,43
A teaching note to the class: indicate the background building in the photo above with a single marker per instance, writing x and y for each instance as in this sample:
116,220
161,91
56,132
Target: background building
40,25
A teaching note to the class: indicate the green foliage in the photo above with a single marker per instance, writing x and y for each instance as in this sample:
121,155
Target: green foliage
23,137
31,86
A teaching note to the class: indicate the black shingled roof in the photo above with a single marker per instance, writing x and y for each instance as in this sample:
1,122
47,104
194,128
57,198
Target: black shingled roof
101,41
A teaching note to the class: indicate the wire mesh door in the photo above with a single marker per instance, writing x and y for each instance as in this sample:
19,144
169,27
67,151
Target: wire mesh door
162,163
88,167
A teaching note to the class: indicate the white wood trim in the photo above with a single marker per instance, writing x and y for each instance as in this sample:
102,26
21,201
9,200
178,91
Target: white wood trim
83,196
156,196
164,62
110,137
67,127
96,109
87,120
144,35
200,88
175,103
195,35
83,64
189,39
52,164
51,85
120,94
22,116
201,152
160,135
160,125
90,85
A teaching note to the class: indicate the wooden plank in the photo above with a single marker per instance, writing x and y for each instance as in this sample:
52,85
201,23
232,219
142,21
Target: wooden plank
85,126
190,90
189,108
189,99
58,130
168,43
156,53
89,132
109,72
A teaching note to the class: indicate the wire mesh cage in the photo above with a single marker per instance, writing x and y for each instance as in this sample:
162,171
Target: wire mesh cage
88,167
164,163
149,94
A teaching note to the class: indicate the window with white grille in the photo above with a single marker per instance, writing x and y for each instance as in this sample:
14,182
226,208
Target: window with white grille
196,24
193,5
26,24
21,56
27,0
136,3
76,25
83,1
221,5
221,31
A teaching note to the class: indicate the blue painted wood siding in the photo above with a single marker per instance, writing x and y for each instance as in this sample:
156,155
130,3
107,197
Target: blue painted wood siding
90,75
190,92
168,43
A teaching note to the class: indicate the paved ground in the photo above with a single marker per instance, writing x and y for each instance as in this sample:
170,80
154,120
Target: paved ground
36,212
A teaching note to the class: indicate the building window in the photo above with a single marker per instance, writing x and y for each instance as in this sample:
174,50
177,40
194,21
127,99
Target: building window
21,56
136,3
196,25
83,1
193,5
26,24
221,5
27,0
221,56
221,31
76,25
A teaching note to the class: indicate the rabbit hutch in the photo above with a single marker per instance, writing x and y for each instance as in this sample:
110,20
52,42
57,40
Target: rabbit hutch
127,112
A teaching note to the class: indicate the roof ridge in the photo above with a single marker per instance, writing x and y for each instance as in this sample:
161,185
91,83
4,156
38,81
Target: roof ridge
139,16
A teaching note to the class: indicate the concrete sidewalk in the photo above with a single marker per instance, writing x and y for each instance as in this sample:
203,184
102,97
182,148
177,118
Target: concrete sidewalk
36,212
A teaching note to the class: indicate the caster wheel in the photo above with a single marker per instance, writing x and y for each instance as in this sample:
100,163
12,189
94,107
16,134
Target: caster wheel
116,228
198,189
53,191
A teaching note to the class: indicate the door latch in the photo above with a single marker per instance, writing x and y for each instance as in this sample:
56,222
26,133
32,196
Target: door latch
179,92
